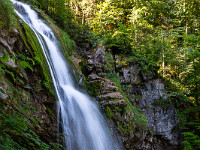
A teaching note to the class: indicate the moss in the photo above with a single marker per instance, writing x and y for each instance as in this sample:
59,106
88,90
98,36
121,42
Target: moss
84,66
138,119
109,112
49,111
165,103
122,127
32,44
7,18
94,88
110,63
68,44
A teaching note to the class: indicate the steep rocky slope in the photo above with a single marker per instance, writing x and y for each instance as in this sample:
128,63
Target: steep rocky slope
25,86
132,101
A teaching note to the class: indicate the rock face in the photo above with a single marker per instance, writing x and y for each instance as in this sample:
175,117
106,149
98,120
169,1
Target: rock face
161,118
131,74
28,83
121,98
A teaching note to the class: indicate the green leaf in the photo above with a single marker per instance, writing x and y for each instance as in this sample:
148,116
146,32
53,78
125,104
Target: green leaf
2,91
27,87
13,76
5,58
25,65
22,56
21,81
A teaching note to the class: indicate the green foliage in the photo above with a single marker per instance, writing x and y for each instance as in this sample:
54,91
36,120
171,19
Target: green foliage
109,112
7,18
32,2
16,125
110,62
67,44
107,16
61,12
192,138
25,64
32,44
139,118
112,76
188,115
5,57
16,130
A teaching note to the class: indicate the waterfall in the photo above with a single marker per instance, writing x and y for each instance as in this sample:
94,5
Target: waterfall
84,127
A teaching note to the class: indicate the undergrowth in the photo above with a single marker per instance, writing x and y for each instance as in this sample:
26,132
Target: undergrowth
16,124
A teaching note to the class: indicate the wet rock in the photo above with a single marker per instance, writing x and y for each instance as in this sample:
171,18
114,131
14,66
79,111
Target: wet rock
94,76
116,102
76,60
7,39
99,55
108,85
10,61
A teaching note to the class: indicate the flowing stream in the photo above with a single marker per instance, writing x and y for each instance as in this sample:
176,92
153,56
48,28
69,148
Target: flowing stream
83,124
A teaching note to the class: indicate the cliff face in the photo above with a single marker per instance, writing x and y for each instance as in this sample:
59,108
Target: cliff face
24,88
135,103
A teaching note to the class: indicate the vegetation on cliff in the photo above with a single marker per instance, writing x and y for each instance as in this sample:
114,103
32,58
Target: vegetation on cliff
21,59
161,36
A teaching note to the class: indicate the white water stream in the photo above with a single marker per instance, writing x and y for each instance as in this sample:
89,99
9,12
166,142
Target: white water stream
82,122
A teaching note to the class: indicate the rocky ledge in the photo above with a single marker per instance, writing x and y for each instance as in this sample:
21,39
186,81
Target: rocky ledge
132,101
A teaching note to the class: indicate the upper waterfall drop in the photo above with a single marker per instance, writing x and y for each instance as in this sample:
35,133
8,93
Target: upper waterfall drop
82,121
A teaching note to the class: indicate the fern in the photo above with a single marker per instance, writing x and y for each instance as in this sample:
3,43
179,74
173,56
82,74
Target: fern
25,65
12,75
5,57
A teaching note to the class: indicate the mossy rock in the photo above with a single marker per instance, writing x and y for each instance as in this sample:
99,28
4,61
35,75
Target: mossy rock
32,44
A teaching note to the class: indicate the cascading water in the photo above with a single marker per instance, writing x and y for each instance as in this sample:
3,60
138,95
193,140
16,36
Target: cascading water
82,121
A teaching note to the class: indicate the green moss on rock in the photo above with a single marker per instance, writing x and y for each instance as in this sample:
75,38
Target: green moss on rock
32,44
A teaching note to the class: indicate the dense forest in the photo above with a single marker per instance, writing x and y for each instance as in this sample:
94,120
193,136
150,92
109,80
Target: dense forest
161,36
